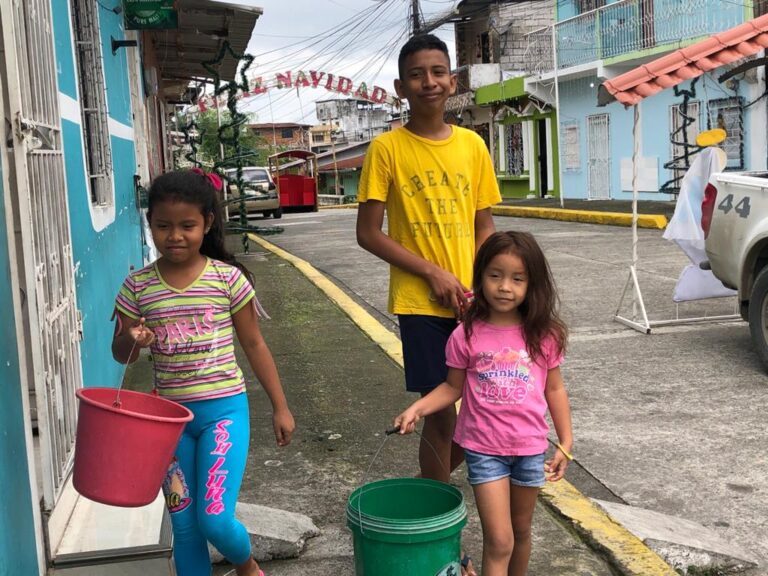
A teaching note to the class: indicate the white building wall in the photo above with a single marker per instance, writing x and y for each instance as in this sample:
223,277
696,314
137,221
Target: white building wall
357,120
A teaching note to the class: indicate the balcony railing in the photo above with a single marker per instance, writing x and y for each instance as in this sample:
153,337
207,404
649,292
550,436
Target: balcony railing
629,26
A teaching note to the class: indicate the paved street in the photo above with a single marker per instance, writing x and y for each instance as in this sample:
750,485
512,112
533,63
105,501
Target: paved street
671,421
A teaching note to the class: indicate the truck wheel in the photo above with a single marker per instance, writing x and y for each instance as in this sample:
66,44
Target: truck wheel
758,316
276,214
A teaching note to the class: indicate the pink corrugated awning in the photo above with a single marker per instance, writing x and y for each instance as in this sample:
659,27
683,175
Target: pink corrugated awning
686,63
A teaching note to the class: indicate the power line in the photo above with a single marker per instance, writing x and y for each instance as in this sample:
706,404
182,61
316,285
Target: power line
363,25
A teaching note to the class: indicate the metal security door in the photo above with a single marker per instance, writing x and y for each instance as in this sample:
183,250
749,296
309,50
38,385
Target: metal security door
44,260
598,157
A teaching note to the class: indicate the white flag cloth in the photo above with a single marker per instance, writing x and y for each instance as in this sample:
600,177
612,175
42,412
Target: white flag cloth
684,229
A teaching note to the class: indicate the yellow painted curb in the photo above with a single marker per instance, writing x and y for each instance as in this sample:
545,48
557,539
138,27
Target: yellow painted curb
626,551
367,323
336,206
656,221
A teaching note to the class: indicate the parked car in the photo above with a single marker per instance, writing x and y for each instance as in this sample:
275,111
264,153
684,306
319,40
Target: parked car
735,224
260,193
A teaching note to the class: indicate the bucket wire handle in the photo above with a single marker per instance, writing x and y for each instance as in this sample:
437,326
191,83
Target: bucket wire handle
117,403
387,433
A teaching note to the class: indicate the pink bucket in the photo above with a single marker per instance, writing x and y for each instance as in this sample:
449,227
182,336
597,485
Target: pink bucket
122,453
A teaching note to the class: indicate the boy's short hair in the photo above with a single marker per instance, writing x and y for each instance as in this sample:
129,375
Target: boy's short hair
417,43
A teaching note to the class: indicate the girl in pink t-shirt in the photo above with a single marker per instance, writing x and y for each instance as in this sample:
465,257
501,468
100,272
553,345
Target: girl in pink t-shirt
504,364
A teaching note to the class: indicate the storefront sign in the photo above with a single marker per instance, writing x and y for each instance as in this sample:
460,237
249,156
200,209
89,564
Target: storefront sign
149,14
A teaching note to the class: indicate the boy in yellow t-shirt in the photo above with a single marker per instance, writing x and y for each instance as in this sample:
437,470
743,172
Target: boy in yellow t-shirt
436,184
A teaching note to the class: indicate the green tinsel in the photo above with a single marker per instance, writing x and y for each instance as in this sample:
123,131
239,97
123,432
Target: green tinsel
229,135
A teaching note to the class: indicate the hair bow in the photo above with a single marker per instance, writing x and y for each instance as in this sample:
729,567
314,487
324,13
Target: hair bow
212,178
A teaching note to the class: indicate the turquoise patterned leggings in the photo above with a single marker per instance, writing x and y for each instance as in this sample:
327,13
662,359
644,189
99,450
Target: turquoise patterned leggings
203,484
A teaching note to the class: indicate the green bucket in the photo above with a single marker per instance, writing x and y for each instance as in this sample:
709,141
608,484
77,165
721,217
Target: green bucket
407,527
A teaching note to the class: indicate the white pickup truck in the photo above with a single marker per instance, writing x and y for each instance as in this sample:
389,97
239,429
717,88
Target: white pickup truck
735,224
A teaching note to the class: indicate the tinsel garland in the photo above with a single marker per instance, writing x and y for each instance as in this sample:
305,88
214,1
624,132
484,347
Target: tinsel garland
229,135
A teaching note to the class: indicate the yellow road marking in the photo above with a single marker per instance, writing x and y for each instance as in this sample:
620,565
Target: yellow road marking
656,221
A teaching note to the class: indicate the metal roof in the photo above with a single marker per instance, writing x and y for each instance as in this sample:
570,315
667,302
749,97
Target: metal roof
296,153
204,25
687,63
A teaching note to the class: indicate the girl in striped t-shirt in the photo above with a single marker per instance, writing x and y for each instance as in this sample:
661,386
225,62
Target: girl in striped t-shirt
187,307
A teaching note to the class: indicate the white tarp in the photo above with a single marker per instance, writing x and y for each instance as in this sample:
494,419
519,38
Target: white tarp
684,229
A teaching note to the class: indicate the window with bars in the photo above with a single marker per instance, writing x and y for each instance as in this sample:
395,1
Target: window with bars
678,136
93,101
728,114
514,149
571,152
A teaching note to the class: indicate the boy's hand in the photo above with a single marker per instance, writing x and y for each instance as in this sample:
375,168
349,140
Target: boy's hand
447,291
406,422
284,425
141,335
554,469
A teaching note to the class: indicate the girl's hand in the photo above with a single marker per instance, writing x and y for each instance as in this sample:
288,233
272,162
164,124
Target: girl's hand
141,335
554,469
284,425
406,422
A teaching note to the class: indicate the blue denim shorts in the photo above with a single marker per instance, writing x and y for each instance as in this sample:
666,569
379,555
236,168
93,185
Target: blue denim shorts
525,471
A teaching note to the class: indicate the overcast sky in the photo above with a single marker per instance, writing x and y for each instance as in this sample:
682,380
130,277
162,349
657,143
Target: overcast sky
358,39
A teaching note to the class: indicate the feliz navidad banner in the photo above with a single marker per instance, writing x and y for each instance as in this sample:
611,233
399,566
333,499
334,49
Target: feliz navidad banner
301,79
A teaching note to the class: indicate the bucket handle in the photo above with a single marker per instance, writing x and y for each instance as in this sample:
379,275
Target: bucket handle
116,403
387,433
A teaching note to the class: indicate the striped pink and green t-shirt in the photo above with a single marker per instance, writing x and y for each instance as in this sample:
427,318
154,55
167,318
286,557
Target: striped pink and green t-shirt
193,351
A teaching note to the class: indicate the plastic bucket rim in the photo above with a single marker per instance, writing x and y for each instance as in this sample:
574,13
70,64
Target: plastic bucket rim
81,395
367,525
458,510
435,523
369,487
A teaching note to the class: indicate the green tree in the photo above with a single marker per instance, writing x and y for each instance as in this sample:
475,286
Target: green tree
209,151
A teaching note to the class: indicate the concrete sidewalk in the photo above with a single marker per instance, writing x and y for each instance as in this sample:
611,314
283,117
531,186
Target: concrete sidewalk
341,371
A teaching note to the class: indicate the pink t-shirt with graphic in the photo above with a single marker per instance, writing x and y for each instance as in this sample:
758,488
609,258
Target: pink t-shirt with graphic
503,408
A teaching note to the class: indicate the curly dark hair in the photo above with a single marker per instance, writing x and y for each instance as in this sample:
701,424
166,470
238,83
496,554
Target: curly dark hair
194,188
540,309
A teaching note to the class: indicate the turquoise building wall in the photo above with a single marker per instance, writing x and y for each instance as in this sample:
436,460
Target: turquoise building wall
578,101
102,258
18,552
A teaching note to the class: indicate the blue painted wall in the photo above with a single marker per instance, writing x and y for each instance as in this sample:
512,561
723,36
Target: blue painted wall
18,553
565,9
616,32
578,100
102,258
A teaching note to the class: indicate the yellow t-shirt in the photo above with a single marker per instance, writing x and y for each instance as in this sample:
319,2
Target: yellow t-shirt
432,190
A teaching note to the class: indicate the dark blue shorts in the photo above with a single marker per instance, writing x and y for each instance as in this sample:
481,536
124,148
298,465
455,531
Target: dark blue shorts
424,339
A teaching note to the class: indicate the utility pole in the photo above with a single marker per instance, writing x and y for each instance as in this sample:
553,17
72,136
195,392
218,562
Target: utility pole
416,17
